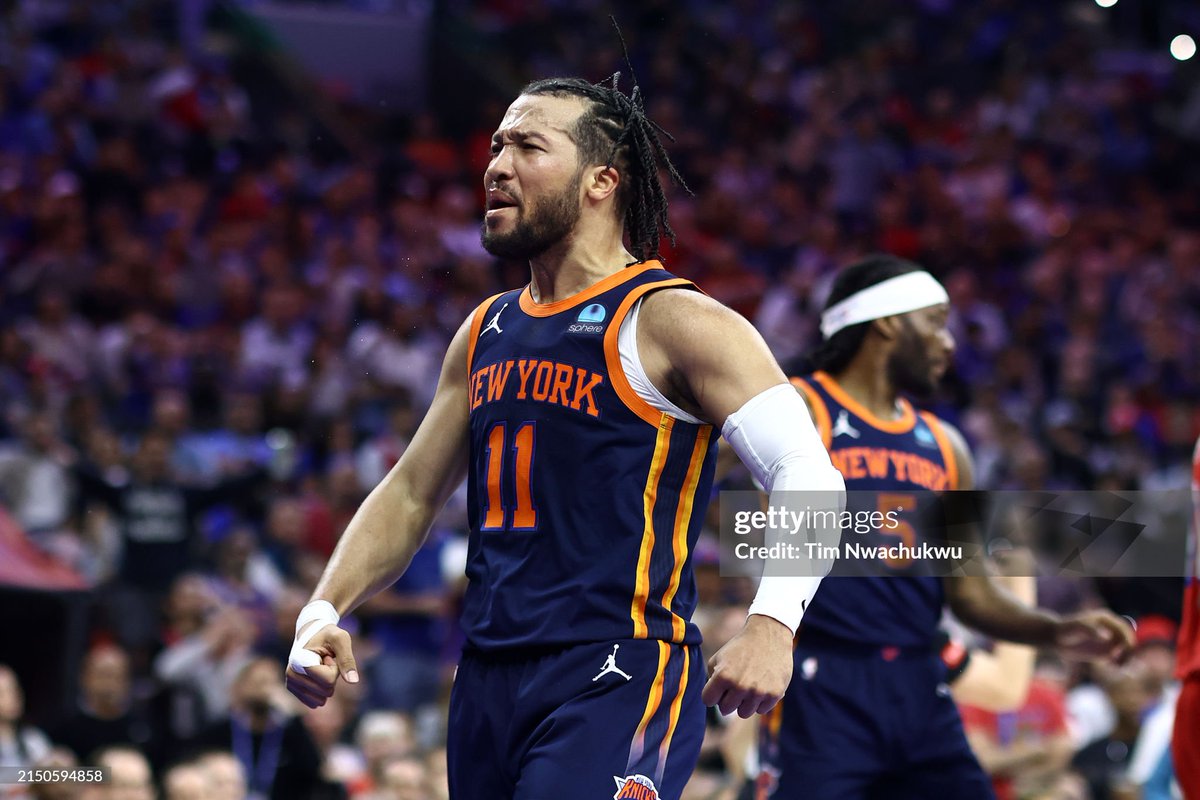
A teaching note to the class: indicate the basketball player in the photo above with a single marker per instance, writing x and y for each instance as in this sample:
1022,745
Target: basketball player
868,713
1185,743
583,410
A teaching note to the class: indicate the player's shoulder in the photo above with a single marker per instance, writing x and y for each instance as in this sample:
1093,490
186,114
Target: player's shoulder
684,311
957,441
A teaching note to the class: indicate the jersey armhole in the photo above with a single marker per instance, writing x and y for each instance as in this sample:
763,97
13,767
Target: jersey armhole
612,353
477,326
820,412
939,433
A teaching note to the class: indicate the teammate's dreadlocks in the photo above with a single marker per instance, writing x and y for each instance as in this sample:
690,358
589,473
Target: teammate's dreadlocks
615,131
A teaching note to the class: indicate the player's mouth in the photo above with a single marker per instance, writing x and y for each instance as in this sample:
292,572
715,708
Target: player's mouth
498,201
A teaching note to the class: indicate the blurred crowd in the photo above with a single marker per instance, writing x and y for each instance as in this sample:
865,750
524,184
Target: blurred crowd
216,338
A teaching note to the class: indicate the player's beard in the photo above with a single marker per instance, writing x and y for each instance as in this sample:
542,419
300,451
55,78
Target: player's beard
909,368
539,226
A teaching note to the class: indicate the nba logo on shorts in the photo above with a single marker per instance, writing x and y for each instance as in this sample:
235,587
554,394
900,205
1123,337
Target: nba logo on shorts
635,787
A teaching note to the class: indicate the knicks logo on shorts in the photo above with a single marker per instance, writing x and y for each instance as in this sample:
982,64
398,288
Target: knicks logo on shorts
635,787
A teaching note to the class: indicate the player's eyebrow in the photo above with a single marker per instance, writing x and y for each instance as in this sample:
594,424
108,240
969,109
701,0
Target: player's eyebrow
518,135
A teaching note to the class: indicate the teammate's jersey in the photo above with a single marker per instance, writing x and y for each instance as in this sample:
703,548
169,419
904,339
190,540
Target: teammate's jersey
1188,648
584,501
898,460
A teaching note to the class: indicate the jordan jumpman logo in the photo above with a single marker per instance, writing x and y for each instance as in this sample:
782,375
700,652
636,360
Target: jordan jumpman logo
610,665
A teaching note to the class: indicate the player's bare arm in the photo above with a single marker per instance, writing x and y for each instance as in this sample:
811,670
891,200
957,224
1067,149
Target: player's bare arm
384,534
711,362
981,603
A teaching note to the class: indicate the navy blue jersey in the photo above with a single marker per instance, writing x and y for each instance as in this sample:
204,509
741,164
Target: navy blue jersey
897,461
585,502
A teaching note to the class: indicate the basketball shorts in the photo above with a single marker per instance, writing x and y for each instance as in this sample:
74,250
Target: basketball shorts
612,719
863,722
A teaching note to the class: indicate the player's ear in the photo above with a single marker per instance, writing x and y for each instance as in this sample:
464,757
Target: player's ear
601,182
888,327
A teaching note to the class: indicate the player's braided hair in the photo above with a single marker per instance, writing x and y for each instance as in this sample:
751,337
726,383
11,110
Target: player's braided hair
616,132
835,354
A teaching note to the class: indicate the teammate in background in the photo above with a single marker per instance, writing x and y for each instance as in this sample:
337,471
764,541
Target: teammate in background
996,680
1185,744
583,410
868,707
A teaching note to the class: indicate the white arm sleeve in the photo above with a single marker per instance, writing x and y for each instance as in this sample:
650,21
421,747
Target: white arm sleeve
774,436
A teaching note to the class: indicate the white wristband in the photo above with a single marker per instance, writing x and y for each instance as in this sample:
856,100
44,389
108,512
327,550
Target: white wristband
320,612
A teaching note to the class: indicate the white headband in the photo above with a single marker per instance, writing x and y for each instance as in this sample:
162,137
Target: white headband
897,295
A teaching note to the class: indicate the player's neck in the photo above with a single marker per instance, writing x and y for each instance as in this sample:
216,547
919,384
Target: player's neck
866,380
582,259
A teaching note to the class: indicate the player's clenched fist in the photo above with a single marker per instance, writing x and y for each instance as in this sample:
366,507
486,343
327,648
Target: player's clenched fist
320,652
752,671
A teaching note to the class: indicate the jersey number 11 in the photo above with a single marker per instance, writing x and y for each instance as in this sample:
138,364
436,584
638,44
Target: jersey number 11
523,514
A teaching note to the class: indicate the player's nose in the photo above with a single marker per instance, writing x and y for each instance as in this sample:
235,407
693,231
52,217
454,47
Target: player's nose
499,168
947,341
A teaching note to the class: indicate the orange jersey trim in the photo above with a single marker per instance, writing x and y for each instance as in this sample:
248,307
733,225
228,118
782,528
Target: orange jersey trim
665,748
820,412
902,424
683,515
476,326
536,309
612,356
641,593
939,433
652,702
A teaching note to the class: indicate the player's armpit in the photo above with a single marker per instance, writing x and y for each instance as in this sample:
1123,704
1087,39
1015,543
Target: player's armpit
708,356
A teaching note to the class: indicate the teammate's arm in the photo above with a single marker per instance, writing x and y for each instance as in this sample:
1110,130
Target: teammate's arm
999,681
387,530
980,603
713,363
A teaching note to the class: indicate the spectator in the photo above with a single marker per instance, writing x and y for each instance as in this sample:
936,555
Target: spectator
55,758
404,778
129,774
1025,751
106,714
227,779
32,477
206,646
155,513
381,737
244,579
1103,763
187,781
21,745
275,751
